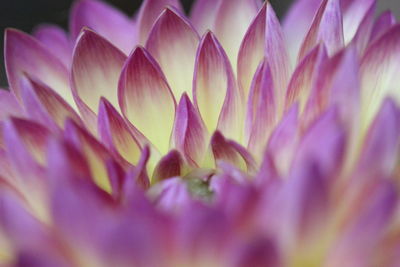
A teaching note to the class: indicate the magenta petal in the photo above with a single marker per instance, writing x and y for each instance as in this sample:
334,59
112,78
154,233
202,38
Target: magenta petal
327,28
203,14
137,177
190,135
363,34
172,195
9,105
173,43
169,166
55,40
146,99
149,12
115,133
354,12
24,54
382,24
261,109
231,152
106,21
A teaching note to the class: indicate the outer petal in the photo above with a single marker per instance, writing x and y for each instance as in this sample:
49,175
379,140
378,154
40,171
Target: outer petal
46,106
261,109
169,166
115,134
96,67
9,105
190,135
237,15
105,20
146,99
382,24
231,152
379,73
149,12
326,27
264,38
355,10
213,83
363,34
55,40
203,14
173,43
258,252
23,54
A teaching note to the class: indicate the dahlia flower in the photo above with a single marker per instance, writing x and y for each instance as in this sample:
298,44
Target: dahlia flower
220,138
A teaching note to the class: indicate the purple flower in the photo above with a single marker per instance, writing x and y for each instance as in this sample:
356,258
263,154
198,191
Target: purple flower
217,139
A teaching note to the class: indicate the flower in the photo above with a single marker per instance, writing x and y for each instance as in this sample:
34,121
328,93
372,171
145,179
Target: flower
223,139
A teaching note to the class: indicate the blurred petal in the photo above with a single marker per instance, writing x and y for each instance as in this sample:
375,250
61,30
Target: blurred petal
383,23
137,177
379,73
237,15
56,41
214,86
326,28
146,99
96,67
169,166
203,13
355,10
149,12
9,105
261,109
106,21
173,43
115,134
363,33
190,135
24,54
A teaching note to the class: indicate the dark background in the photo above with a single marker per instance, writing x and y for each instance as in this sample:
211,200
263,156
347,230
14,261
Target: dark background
26,14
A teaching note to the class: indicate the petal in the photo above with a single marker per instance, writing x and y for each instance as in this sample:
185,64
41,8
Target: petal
96,67
296,24
137,177
264,38
173,43
304,76
106,21
231,152
56,41
203,13
379,69
363,34
94,152
381,145
115,134
326,28
355,10
146,99
172,194
215,93
45,106
23,54
237,15
383,23
149,12
258,252
169,166
9,105
261,110
190,135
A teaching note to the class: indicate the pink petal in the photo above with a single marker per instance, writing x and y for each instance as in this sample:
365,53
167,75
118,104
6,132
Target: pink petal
383,23
46,106
115,26
9,105
231,152
96,67
237,15
172,195
296,24
304,76
264,38
190,135
137,177
203,13
173,43
115,134
363,34
214,89
56,41
355,10
379,73
261,109
24,54
149,13
146,99
326,28
169,166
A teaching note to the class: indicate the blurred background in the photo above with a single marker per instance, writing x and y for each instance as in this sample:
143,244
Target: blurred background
26,14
